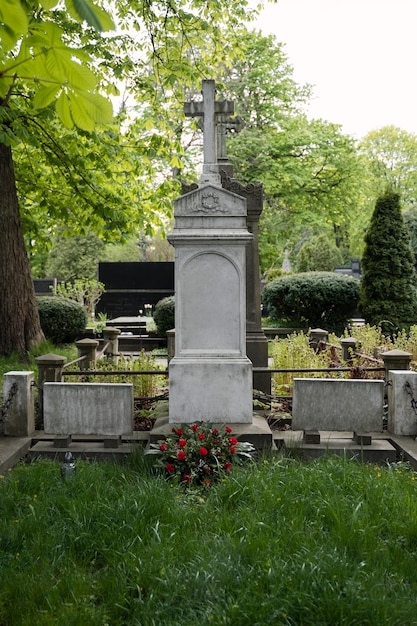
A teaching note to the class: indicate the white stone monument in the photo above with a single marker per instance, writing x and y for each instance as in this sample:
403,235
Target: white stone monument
210,377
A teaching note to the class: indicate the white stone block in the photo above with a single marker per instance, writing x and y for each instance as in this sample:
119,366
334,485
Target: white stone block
20,416
88,408
338,404
402,411
210,390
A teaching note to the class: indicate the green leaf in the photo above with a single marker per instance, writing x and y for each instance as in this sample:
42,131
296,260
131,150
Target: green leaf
45,95
63,110
84,10
61,67
49,4
13,23
87,109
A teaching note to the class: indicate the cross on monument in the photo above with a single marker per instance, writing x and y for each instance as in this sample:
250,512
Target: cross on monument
208,109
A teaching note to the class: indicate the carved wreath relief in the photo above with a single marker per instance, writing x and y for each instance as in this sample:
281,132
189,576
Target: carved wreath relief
210,203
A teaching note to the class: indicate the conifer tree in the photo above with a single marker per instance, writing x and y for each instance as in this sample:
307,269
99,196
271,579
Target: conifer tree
388,293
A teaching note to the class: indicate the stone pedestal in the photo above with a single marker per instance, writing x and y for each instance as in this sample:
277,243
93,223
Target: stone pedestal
20,416
210,375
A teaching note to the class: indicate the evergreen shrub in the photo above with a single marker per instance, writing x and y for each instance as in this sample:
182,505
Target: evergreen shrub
315,299
388,295
319,254
62,320
164,315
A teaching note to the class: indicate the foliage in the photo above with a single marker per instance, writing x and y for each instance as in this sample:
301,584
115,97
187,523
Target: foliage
86,292
318,254
315,299
292,353
164,315
119,545
199,454
62,321
144,386
75,257
388,288
410,220
392,153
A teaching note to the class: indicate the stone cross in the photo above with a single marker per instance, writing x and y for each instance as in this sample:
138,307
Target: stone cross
225,124
209,109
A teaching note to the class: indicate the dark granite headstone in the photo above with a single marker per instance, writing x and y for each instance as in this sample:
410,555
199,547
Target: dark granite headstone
44,286
129,286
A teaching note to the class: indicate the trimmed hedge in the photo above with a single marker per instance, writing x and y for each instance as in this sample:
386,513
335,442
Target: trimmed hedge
62,320
315,299
164,315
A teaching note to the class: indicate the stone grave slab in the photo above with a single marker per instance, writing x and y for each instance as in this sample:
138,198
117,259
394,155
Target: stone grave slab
338,404
88,408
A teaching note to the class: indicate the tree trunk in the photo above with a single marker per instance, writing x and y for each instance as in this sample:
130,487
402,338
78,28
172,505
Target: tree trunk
20,328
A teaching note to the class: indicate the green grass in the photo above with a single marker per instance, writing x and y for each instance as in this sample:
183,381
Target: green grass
17,363
280,542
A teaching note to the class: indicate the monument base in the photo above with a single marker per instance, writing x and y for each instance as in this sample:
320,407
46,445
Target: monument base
216,390
258,433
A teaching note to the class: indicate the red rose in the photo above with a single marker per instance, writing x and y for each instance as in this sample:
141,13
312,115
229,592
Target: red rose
179,432
169,468
232,450
186,478
233,441
182,443
194,427
181,456
201,436
228,429
227,466
163,447
214,431
216,442
203,451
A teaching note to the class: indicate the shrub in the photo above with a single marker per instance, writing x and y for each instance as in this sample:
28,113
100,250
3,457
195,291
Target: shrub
164,315
388,288
315,299
62,321
319,254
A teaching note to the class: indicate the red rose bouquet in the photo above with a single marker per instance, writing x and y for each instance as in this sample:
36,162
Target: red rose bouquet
199,454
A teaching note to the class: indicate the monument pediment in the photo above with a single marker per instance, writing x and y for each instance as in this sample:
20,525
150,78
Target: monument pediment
211,201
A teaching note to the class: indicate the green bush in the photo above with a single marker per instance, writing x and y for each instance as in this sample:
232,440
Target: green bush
314,299
319,254
62,320
164,315
388,295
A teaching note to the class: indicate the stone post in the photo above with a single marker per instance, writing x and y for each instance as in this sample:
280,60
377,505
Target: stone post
111,335
20,415
87,348
349,347
396,360
317,335
50,368
171,344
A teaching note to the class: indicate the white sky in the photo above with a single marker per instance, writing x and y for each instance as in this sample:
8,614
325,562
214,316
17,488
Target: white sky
360,56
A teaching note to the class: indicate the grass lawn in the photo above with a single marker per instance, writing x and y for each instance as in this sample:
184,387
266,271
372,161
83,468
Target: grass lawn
278,542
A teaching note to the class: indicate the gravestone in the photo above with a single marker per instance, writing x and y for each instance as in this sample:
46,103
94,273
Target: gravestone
210,375
88,408
256,341
131,285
